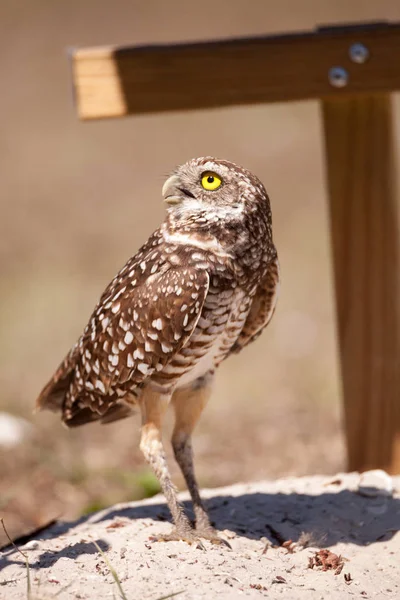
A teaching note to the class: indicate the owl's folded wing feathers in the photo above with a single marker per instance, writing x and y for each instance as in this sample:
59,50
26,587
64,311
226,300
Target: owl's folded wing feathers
130,336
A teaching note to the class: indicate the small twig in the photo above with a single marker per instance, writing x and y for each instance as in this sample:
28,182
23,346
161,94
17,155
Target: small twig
170,595
25,557
112,571
224,574
61,590
7,581
22,539
117,579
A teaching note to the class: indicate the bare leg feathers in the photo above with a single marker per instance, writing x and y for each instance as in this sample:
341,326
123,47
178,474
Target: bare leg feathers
153,406
188,404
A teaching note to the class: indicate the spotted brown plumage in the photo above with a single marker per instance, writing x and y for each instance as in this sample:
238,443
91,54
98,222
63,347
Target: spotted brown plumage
203,286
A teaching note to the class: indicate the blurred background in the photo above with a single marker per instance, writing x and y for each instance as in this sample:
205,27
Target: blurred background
78,199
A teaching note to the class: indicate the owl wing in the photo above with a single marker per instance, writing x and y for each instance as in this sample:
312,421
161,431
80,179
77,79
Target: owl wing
262,307
131,335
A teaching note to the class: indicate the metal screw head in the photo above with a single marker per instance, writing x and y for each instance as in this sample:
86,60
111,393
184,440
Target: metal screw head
338,77
358,53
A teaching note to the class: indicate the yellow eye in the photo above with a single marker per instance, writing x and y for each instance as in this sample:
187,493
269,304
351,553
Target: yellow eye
210,181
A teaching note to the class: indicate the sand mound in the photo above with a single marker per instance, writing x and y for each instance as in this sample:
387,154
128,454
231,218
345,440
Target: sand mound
312,537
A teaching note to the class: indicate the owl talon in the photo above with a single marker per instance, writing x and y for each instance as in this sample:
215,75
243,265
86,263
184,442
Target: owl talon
211,535
190,537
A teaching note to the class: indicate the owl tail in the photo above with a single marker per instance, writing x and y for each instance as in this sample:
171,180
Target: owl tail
53,394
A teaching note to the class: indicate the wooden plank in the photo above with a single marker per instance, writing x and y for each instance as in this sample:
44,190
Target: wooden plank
364,214
113,81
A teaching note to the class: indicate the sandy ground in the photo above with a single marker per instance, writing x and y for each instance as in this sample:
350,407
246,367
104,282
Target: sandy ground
343,514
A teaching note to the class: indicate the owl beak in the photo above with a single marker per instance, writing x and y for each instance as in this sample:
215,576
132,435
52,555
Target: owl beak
171,192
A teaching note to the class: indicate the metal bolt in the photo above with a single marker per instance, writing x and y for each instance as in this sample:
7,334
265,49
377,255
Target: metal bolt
358,53
338,77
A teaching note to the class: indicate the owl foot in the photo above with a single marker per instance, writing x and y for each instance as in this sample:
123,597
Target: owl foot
210,534
185,535
192,537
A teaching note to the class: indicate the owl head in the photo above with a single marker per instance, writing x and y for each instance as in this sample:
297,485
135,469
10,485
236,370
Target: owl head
209,190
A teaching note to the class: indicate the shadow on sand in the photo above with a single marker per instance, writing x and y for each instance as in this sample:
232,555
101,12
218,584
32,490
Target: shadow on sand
325,519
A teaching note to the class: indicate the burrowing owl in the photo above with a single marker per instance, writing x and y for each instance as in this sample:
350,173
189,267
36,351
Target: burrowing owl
203,286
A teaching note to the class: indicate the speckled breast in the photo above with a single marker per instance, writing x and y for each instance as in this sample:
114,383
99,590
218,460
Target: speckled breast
221,321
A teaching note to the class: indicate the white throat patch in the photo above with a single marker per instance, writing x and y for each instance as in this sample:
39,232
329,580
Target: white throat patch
186,239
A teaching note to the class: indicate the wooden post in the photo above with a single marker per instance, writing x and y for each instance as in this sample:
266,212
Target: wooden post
365,239
117,81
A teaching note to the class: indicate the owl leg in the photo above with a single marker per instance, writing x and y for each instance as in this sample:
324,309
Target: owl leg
153,406
188,404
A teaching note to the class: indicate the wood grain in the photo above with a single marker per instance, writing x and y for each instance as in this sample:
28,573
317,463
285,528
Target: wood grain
113,81
365,236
